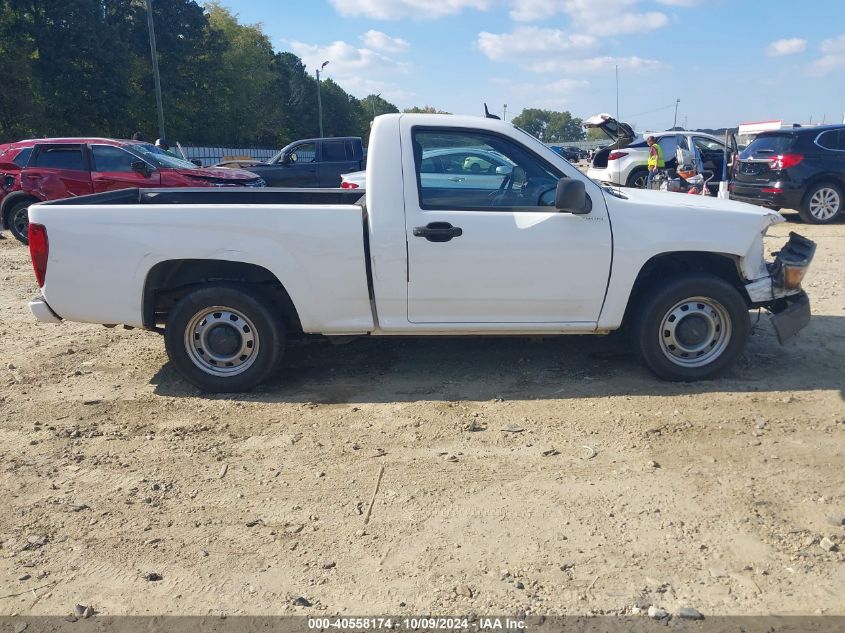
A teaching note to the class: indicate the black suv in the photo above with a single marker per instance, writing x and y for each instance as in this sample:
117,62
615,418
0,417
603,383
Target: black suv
801,168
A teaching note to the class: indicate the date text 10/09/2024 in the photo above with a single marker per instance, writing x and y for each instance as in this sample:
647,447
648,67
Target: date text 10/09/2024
416,624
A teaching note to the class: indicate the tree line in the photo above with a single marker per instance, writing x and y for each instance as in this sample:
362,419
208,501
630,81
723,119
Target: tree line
82,68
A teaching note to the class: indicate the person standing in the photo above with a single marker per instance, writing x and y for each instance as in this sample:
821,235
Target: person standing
655,160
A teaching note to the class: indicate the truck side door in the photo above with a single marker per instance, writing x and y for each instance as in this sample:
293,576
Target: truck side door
336,158
712,155
114,168
495,250
60,170
295,168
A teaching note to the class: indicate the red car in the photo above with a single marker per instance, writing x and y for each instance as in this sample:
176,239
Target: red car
52,168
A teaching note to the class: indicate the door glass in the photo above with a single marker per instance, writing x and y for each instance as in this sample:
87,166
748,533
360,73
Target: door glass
108,158
334,152
61,157
305,153
479,171
669,145
708,145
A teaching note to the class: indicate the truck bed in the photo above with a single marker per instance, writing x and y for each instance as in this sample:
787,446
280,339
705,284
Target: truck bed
103,248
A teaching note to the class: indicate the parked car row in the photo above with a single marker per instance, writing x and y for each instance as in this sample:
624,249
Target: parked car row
40,170
801,168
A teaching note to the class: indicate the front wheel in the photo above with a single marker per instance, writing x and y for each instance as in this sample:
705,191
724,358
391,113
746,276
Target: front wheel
691,328
18,221
224,339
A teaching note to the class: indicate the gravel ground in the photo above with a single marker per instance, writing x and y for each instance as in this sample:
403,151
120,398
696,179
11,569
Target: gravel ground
552,476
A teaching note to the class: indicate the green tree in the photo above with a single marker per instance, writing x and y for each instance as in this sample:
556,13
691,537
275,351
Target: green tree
425,110
549,125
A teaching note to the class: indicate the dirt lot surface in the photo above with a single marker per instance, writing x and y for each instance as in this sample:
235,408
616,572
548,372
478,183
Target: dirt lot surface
545,477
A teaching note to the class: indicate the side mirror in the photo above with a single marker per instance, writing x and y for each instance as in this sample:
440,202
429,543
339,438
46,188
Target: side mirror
141,167
197,162
289,159
504,170
571,196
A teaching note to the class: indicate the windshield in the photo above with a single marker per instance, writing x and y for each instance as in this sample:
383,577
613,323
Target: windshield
161,158
767,146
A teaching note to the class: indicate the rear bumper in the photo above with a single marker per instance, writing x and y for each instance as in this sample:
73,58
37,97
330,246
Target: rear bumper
785,198
43,312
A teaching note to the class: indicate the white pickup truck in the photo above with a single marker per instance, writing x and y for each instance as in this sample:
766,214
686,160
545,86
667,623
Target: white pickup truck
533,247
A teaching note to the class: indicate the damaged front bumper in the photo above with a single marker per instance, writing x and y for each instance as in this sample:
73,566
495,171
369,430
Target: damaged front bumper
780,292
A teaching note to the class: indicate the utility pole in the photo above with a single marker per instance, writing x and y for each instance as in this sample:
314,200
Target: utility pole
378,96
156,76
319,98
505,112
675,122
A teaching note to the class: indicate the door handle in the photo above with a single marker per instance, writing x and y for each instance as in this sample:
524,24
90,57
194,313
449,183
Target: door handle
438,231
456,179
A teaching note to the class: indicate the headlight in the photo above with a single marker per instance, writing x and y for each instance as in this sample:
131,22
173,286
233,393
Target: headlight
792,262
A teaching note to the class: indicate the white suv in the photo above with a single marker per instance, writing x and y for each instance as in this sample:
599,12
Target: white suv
624,162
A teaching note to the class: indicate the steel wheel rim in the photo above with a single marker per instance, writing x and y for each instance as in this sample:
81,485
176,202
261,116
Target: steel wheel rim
825,203
20,220
640,182
695,332
221,341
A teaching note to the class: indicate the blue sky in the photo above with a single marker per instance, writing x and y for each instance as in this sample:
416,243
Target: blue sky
727,61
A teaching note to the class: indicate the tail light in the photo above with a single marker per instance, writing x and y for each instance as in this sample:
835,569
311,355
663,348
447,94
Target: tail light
785,161
348,185
771,190
616,155
39,250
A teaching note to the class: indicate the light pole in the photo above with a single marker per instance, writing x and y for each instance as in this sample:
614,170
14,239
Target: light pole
378,96
505,112
156,76
675,122
319,98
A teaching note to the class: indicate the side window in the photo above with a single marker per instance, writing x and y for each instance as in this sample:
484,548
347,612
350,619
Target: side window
61,157
669,145
108,158
334,152
305,153
708,144
23,157
479,171
833,139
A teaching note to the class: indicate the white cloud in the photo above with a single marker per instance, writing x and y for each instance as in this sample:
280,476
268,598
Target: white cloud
598,17
543,50
791,46
551,94
355,69
396,9
531,41
833,57
379,41
595,64
679,3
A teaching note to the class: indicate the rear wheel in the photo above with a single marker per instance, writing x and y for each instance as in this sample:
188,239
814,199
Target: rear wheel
822,203
18,220
691,328
223,338
637,179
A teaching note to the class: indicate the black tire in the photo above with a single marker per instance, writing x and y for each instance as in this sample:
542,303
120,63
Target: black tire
822,204
637,179
17,219
244,324
716,332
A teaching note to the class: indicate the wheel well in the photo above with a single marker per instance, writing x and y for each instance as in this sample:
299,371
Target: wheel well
167,282
670,264
815,180
9,201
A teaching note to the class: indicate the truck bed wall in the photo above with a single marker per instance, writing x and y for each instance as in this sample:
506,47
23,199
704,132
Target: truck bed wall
100,255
